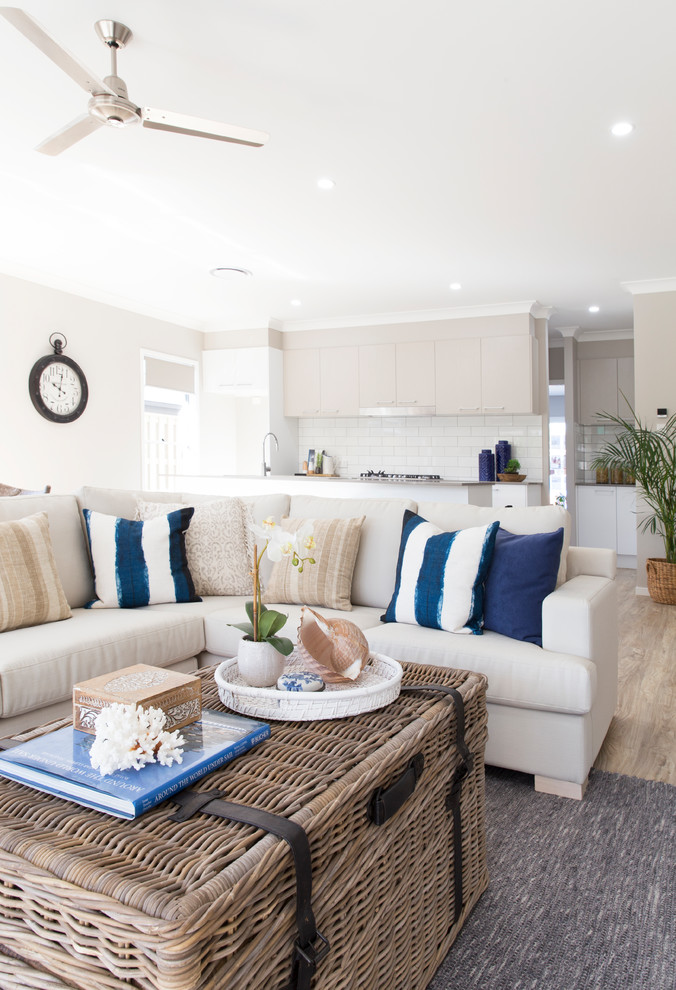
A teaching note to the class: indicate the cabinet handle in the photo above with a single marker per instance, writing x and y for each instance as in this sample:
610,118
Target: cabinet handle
330,411
407,402
605,492
310,412
468,408
494,407
384,402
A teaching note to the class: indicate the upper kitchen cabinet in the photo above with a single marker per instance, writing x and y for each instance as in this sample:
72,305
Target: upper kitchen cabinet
485,375
458,376
236,371
602,380
397,375
302,382
339,381
321,381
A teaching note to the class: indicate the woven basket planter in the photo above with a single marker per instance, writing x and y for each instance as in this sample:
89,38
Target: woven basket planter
661,580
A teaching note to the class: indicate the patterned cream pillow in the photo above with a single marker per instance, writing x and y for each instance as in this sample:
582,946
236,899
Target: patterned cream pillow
328,581
30,587
217,543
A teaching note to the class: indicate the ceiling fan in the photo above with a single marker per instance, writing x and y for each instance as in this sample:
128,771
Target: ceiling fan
110,103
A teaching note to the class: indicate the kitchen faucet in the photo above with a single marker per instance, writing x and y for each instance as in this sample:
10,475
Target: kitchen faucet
266,467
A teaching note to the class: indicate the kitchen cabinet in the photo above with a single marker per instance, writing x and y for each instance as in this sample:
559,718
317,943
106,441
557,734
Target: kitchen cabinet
601,381
397,375
321,381
597,516
377,376
415,374
606,517
485,375
458,376
339,381
512,494
626,521
301,382
236,371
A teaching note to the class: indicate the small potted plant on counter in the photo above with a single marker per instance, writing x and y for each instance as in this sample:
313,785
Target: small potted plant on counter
511,472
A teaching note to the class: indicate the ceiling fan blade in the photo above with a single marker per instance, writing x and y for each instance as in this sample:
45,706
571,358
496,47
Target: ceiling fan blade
36,34
69,135
166,120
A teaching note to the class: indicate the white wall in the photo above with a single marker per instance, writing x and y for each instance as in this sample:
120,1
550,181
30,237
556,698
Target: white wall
102,447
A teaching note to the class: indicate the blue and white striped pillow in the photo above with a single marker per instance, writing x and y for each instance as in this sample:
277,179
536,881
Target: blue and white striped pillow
440,576
139,563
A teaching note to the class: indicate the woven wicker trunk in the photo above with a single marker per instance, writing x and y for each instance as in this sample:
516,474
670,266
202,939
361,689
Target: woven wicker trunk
91,902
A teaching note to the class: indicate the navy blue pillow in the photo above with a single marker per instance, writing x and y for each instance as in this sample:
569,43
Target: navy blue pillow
522,573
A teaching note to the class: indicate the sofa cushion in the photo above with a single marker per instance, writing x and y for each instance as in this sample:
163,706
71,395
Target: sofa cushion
38,666
328,581
522,573
534,519
519,674
69,541
217,543
139,563
30,588
440,576
373,579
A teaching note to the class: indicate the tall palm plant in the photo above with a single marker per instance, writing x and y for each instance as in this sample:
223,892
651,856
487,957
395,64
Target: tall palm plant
650,456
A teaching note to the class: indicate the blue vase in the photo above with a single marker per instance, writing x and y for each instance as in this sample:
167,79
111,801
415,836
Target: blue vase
486,466
503,454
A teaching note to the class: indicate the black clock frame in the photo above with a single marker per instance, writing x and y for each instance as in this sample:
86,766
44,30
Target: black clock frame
34,388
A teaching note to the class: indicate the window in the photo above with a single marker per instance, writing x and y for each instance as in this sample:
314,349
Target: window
170,444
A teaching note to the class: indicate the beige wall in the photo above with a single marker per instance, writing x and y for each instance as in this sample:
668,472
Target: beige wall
102,447
654,362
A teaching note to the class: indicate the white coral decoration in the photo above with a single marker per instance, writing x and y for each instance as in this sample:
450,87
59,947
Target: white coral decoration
128,736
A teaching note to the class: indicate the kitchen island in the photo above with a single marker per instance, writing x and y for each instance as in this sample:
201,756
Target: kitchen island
465,492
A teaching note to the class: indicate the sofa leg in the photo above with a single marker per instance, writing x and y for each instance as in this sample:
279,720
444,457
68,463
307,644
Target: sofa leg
563,788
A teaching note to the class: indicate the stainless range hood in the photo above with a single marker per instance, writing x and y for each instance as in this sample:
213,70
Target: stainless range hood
398,411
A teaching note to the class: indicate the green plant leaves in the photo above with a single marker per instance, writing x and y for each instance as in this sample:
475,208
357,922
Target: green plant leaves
269,623
281,644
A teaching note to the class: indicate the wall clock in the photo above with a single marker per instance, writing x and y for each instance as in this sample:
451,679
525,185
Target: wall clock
57,385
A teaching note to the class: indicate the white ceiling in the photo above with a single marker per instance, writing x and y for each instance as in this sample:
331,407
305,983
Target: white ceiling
469,141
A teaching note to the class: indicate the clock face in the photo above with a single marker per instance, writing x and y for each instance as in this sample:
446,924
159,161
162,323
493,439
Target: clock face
58,389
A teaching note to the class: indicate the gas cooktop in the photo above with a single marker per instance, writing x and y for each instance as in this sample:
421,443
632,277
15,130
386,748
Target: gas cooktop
382,476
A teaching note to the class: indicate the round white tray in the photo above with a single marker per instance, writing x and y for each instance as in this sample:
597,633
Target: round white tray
378,685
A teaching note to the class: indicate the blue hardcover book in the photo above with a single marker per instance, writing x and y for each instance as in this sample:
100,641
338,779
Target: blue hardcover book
59,763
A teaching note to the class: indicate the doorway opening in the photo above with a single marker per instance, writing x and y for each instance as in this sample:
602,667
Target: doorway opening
557,445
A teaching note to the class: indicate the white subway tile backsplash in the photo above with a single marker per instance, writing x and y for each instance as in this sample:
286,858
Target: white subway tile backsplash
445,445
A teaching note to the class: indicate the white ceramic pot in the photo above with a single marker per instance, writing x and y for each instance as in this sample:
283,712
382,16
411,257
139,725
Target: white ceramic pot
260,664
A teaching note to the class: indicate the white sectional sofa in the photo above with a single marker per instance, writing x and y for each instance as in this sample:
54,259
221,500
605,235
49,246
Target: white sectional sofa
549,707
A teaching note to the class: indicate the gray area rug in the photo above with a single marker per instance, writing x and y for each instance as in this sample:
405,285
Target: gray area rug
582,895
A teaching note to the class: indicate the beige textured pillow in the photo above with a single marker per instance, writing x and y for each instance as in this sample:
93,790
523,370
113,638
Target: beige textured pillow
216,543
328,581
30,587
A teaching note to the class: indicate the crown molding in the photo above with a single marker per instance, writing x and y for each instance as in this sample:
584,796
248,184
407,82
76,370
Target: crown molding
650,285
412,316
587,336
573,332
540,312
84,291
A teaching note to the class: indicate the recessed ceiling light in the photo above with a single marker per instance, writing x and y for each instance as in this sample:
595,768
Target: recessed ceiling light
594,309
326,183
295,302
622,128
455,286
231,274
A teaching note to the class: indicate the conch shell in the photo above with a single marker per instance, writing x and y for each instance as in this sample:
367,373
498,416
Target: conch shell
335,648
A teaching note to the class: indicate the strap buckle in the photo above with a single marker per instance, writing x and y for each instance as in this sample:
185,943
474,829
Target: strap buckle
312,954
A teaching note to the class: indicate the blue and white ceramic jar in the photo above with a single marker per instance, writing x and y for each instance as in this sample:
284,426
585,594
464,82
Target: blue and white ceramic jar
503,454
486,466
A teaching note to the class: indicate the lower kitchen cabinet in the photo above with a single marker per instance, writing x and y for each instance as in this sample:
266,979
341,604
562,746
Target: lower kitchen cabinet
606,517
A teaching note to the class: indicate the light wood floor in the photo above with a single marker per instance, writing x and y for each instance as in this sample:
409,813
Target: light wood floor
641,741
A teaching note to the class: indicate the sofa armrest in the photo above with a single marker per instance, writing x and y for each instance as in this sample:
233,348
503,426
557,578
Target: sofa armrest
580,618
591,560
